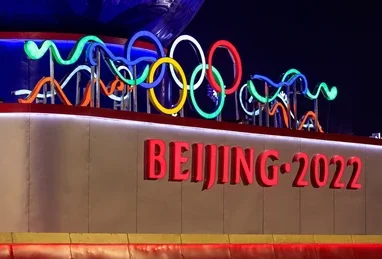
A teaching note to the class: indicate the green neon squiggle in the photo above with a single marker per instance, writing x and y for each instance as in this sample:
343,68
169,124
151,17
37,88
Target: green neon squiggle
138,81
36,53
329,94
252,90
290,72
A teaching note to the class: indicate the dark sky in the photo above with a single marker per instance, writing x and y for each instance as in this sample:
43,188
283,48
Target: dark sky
335,43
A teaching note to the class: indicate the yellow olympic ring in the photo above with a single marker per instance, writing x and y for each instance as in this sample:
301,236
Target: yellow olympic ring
183,94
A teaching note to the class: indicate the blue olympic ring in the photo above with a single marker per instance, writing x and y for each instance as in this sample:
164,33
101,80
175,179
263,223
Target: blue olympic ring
159,48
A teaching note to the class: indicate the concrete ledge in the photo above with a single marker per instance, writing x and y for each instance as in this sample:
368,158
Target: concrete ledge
6,238
251,239
367,239
86,238
40,238
333,239
108,238
295,239
204,239
154,239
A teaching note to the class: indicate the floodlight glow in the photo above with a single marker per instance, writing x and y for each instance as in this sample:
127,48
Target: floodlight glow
190,130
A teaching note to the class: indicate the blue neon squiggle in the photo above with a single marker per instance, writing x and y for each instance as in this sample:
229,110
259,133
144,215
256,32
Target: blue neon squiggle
103,48
329,94
303,87
111,59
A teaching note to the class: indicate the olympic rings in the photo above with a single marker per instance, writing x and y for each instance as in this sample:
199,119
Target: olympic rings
236,60
193,41
183,95
159,47
118,63
192,94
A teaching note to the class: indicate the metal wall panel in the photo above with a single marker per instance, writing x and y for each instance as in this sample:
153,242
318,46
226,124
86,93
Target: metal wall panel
64,173
14,173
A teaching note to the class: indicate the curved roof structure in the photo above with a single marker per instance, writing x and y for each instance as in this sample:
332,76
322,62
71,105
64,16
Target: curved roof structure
119,18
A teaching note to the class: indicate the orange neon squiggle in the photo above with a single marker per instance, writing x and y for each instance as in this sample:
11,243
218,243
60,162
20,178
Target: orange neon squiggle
33,95
284,112
116,84
309,114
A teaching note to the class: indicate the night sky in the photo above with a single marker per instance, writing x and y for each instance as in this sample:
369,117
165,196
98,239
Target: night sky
337,44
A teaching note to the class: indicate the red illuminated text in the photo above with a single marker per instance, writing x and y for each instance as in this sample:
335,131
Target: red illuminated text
212,164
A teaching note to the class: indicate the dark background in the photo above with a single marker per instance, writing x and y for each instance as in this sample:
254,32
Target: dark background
335,41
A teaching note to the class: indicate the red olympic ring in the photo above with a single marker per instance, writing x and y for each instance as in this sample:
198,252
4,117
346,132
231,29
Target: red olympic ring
235,58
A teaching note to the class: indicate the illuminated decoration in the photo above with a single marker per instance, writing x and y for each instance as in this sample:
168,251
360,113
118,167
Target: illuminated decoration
376,135
329,94
276,103
201,55
183,95
223,246
221,98
323,87
34,94
279,107
243,169
36,53
111,59
235,59
290,78
283,97
116,84
160,50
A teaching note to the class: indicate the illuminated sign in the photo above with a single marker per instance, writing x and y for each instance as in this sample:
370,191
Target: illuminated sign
210,164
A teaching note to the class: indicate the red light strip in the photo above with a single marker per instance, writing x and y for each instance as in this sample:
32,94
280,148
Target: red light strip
173,251
187,246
